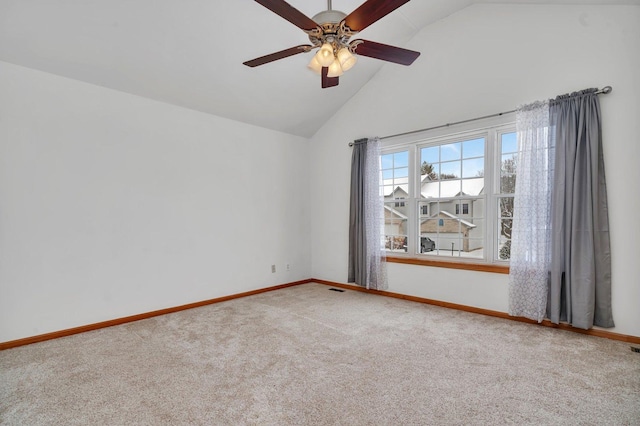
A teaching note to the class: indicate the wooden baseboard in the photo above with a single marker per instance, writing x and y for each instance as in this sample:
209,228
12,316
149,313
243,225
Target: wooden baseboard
132,318
498,314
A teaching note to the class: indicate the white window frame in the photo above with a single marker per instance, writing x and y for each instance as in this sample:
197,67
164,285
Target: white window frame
491,130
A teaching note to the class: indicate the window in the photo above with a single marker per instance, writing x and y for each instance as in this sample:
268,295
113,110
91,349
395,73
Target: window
453,193
465,208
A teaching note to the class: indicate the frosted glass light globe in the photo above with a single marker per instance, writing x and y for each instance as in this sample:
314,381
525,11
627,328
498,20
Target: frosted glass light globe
325,55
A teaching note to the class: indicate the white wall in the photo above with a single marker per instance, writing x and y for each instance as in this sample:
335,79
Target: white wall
113,205
483,60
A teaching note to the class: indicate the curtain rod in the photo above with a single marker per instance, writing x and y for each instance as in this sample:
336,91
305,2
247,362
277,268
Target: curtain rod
605,90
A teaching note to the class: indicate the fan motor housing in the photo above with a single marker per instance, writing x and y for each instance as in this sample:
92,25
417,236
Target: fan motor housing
330,22
329,17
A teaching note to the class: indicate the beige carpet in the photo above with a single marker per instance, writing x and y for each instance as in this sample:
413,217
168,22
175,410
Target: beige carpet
307,355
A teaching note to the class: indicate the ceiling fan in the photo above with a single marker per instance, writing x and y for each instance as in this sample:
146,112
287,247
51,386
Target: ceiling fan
330,31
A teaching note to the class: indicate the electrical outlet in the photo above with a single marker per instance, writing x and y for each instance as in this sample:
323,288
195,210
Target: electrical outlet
273,269
288,267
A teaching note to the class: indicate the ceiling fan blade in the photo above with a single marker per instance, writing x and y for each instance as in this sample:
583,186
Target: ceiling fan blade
385,52
328,81
278,55
370,11
290,13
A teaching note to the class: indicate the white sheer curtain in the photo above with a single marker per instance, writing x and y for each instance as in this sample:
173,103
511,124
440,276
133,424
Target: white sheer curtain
374,212
366,253
531,233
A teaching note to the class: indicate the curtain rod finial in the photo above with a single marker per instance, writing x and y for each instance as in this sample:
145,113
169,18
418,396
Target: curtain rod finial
607,89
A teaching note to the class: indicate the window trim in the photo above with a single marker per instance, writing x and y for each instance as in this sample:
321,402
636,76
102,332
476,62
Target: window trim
468,266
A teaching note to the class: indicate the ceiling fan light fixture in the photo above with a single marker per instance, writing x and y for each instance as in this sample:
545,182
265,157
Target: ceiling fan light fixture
314,65
325,55
330,32
346,58
335,70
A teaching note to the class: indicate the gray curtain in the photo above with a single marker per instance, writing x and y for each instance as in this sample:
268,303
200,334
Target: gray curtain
357,232
366,255
580,285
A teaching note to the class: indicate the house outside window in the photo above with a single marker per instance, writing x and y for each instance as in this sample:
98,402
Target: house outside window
456,190
394,168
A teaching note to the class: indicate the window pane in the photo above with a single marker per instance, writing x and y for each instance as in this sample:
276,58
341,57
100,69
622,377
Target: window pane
505,212
504,248
395,227
451,226
450,188
430,155
426,245
430,170
508,163
473,148
505,227
473,186
395,189
430,189
386,161
508,174
402,172
506,207
430,225
450,170
473,168
473,248
509,143
504,230
476,230
401,159
450,151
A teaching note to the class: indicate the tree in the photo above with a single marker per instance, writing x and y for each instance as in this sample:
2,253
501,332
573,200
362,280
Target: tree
427,169
444,176
507,186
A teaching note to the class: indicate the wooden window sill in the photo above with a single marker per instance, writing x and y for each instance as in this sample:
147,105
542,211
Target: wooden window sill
483,267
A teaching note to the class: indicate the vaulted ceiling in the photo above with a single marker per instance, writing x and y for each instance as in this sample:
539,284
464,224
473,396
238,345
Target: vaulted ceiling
190,52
